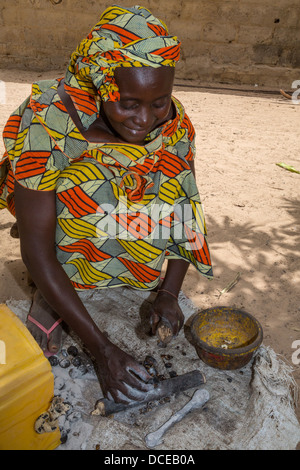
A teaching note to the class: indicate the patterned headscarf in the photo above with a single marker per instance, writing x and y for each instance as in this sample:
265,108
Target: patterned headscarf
123,37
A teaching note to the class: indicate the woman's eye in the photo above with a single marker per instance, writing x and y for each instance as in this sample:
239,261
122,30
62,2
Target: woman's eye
160,104
128,107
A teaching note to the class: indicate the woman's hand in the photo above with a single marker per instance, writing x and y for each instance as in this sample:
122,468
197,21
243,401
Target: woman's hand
122,378
165,308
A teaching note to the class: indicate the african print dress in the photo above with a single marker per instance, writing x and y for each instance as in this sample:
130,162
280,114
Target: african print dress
122,209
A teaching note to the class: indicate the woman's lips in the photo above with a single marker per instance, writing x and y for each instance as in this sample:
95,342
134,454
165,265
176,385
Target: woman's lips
137,132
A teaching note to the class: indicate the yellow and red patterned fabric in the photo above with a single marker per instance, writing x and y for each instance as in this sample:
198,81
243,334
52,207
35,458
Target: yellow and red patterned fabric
122,209
123,37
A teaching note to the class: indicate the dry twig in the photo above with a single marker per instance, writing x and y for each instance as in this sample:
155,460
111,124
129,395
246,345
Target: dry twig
286,95
230,285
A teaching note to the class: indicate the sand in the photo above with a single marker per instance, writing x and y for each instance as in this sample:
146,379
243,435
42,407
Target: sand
251,206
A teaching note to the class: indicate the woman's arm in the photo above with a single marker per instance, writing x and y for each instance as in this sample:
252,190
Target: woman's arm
165,306
36,216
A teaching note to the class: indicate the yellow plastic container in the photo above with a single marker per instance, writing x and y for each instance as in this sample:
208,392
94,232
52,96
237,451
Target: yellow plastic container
26,387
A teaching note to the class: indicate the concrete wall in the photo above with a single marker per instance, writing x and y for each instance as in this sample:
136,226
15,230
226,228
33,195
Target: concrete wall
226,41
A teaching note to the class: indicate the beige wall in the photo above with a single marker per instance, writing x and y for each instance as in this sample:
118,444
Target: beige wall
229,41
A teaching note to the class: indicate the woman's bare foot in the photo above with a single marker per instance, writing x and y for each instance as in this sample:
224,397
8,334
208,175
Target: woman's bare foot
43,314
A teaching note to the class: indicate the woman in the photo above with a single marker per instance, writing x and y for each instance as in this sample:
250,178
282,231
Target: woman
99,172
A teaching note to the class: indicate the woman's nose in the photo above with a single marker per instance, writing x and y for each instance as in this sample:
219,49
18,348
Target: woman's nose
143,117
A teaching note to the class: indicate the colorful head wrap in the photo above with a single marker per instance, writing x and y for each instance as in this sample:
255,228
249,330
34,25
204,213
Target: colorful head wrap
123,37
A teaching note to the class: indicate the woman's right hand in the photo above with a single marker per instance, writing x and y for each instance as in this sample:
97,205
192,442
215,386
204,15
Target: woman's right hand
122,378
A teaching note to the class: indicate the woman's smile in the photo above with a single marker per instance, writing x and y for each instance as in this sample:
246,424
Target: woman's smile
145,102
139,133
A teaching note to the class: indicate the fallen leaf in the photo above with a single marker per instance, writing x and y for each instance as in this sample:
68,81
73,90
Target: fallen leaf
288,167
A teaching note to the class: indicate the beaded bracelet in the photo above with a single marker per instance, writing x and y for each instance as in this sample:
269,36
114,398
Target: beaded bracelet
170,293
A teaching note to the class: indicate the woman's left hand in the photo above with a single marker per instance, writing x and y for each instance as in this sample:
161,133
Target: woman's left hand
166,308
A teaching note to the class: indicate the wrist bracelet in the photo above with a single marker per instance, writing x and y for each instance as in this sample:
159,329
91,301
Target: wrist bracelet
170,293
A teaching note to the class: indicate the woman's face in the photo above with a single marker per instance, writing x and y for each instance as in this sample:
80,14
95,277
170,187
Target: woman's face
145,101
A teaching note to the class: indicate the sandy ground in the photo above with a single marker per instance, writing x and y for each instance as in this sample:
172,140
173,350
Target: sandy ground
251,206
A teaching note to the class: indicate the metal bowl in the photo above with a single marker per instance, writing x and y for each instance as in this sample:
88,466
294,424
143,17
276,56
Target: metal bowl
225,338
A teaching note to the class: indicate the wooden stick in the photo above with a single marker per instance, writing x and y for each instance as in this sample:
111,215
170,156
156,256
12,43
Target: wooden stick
164,389
286,95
